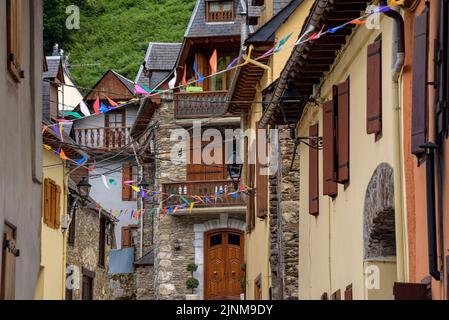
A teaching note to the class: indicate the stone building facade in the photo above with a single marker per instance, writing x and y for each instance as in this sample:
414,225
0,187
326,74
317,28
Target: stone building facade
83,252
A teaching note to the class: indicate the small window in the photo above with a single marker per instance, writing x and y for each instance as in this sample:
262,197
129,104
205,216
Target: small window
88,285
218,11
216,240
234,239
14,36
102,243
52,204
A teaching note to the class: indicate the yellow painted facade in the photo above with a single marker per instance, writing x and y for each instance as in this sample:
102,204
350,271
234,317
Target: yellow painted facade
331,245
258,241
51,281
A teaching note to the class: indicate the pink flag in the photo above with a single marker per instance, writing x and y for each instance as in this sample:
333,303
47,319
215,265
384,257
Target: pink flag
140,90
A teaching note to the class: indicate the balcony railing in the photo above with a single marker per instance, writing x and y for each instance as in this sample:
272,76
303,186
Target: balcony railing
191,105
220,16
216,191
103,138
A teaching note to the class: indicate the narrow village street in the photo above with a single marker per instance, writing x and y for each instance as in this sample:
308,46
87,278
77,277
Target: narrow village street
224,150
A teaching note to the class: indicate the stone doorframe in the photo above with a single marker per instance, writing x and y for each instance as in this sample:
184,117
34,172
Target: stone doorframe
200,229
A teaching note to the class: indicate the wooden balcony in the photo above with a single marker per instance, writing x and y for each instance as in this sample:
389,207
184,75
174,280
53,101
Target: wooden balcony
192,105
103,138
220,16
172,193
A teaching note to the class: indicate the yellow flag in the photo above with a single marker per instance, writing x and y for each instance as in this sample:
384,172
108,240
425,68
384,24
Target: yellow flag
394,3
191,207
136,189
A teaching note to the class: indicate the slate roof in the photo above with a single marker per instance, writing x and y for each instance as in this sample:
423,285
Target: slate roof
266,33
53,63
146,260
198,27
160,59
278,5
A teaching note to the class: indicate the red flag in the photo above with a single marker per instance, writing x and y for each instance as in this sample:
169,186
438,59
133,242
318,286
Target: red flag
184,77
213,62
97,106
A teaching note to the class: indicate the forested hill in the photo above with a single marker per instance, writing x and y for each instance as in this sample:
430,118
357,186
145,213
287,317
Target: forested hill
113,34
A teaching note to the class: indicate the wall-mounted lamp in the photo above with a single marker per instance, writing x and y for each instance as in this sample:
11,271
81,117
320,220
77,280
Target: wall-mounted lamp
177,245
84,189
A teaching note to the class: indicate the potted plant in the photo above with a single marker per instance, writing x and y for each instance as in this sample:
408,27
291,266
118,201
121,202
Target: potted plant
192,283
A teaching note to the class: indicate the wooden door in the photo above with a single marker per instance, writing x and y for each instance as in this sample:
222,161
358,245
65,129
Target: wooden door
223,265
115,129
8,267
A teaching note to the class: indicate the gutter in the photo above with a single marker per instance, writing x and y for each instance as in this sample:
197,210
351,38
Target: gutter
401,227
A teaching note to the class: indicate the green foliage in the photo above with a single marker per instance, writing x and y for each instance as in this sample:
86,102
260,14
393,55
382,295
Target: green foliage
113,34
192,283
192,268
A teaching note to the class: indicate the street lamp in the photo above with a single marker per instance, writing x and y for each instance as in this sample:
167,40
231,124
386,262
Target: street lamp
235,169
84,188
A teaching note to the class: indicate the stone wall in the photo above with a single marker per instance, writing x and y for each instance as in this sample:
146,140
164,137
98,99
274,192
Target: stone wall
145,283
85,252
123,287
284,221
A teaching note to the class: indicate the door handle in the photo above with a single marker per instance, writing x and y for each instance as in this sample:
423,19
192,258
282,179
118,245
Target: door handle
215,273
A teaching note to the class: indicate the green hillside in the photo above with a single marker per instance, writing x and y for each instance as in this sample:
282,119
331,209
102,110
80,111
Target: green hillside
113,33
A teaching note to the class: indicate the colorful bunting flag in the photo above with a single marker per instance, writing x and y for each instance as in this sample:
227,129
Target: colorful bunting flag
184,77
199,75
81,161
140,90
84,109
105,182
282,42
97,106
191,207
112,103
172,82
76,115
103,108
214,62
357,21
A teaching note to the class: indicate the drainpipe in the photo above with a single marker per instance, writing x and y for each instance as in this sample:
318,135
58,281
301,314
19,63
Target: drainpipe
401,234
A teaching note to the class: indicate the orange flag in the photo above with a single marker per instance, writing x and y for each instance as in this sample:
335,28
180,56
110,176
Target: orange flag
97,106
112,103
184,77
357,21
213,62
63,156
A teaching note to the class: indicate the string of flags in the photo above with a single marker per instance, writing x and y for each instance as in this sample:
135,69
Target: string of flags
100,107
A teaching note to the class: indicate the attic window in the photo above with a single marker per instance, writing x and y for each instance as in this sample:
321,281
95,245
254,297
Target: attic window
219,11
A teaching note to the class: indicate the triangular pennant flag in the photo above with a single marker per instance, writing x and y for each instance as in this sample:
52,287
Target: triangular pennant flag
172,82
136,189
112,182
191,207
105,182
63,156
357,22
84,109
301,38
47,147
282,42
103,108
394,3
147,89
213,62
234,62
81,161
112,103
139,89
199,75
97,106
76,115
92,167
176,209
184,77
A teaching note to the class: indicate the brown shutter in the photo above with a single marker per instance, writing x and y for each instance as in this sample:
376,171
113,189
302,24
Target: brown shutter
51,222
410,291
313,175
47,201
251,208
8,266
262,181
57,222
330,187
126,176
126,237
419,95
348,293
343,133
374,89
14,38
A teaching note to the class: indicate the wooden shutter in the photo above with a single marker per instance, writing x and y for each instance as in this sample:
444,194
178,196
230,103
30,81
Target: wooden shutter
419,95
47,201
126,176
251,207
102,243
330,187
14,38
262,179
126,237
57,221
343,133
374,89
336,295
8,267
72,230
348,293
314,192
410,291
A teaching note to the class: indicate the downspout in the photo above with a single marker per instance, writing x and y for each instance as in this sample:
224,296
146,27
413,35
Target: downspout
401,234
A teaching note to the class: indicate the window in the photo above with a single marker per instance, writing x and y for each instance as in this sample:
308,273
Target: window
222,82
218,11
102,243
52,204
216,240
336,295
348,293
14,36
129,173
374,90
115,129
234,239
88,285
129,236
314,193
336,139
8,267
